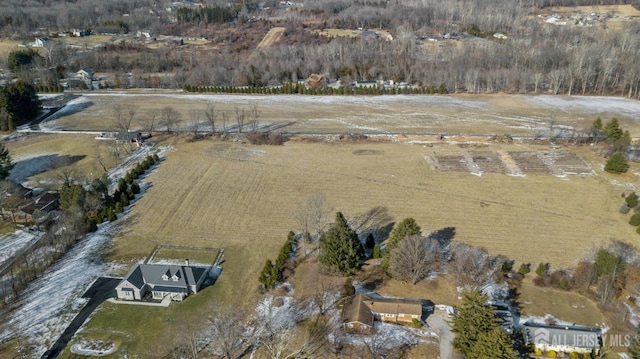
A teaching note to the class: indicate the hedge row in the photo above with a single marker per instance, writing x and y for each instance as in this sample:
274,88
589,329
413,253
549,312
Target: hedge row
290,89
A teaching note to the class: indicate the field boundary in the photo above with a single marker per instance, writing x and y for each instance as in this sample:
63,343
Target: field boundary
216,261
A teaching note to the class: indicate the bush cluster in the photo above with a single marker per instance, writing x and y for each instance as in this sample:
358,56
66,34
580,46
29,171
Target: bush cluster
127,189
49,88
273,273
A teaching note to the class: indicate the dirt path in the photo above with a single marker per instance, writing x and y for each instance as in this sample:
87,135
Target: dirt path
271,37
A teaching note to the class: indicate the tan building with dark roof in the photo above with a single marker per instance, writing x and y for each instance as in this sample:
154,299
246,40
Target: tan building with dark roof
360,314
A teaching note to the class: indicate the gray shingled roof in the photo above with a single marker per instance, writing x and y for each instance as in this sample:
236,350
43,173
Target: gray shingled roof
176,276
563,335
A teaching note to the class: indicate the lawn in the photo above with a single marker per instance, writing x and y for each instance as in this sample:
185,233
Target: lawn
6,46
243,198
565,306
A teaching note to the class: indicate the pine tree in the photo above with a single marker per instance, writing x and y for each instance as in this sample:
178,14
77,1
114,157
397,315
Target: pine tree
613,131
408,227
340,248
5,162
474,317
617,163
495,345
631,200
267,278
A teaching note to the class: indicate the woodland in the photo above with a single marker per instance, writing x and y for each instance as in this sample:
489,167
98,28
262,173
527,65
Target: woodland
532,57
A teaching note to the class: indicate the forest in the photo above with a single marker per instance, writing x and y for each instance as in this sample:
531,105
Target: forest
532,57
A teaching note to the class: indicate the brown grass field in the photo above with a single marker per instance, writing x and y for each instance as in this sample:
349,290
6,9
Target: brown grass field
451,114
242,198
6,46
271,37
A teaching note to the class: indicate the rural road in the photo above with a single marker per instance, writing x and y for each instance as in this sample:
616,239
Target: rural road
438,322
101,290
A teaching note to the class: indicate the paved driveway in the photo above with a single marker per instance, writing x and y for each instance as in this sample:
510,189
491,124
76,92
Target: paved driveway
438,321
101,290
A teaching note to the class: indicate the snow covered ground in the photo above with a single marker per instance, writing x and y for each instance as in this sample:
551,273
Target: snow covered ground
12,243
51,302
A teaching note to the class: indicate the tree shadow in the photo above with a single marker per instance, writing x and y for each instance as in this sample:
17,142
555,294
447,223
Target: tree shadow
444,236
24,169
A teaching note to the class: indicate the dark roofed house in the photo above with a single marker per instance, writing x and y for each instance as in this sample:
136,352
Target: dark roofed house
563,338
176,281
358,317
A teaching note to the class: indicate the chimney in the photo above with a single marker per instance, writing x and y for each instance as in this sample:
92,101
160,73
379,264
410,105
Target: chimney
186,261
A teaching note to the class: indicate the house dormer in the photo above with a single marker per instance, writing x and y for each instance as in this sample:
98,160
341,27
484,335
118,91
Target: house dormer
176,276
166,275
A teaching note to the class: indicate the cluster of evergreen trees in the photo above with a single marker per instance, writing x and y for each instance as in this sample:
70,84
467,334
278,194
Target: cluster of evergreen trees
272,273
618,141
126,191
49,88
297,88
207,14
19,104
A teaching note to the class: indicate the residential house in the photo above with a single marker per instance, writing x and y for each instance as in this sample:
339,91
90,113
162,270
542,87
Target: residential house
395,309
40,42
130,136
162,280
359,316
563,338
85,74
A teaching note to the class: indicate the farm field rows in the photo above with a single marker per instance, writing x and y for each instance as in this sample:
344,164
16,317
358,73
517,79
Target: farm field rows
449,114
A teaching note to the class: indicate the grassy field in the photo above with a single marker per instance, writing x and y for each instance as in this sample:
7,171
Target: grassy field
6,46
271,37
452,114
43,158
242,198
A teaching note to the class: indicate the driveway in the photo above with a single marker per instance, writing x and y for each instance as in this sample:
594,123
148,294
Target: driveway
438,321
101,290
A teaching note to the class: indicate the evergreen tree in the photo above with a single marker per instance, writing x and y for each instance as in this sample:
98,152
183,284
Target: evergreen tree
267,278
20,101
542,269
495,345
377,253
613,131
5,162
632,200
340,248
473,320
635,220
408,227
617,163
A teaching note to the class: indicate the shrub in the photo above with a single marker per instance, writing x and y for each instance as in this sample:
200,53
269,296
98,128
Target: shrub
377,253
617,163
416,323
638,230
524,268
631,200
624,209
635,220
541,271
552,354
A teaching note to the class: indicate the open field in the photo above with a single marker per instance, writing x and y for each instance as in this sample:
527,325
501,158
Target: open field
615,10
42,159
271,37
6,46
243,198
450,114
352,33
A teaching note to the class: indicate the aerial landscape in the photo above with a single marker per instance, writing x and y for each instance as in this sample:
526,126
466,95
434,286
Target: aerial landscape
319,179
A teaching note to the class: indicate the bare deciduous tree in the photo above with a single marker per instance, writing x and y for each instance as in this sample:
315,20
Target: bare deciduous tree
313,214
240,117
194,121
254,116
149,121
229,334
169,118
211,113
414,257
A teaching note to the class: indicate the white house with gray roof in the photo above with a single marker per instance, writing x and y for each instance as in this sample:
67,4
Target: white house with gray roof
176,281
563,338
